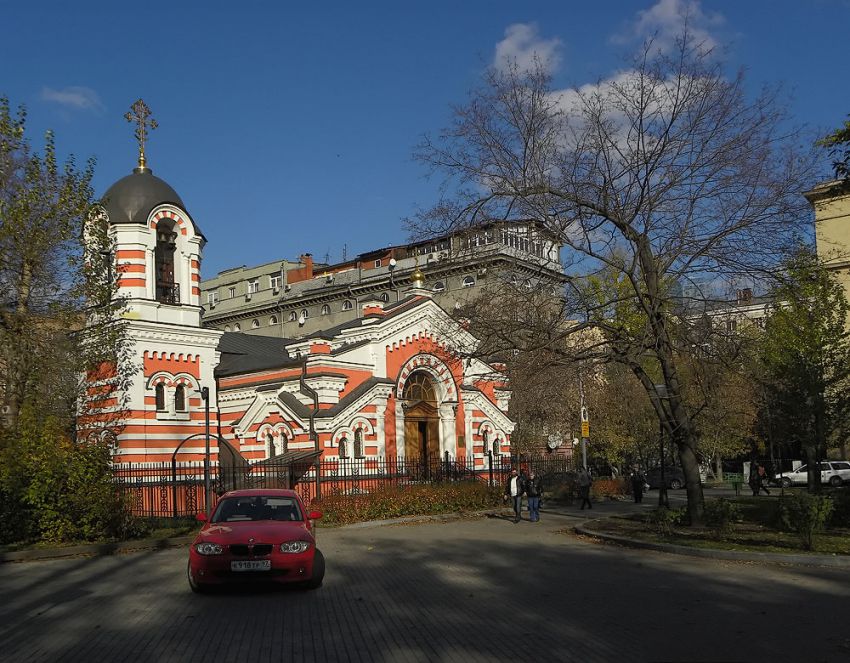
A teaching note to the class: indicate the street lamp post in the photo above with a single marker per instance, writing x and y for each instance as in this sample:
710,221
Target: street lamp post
661,391
205,394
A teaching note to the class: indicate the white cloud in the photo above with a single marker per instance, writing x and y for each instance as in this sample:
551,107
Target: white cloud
73,97
521,44
665,21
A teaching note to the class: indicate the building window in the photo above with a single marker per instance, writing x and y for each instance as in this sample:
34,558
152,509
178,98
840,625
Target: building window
305,313
731,326
231,292
160,397
255,324
253,286
274,281
212,298
180,398
270,450
272,320
468,281
293,316
167,290
326,310
237,327
358,443
496,450
343,447
227,328
347,305
377,263
439,286
385,297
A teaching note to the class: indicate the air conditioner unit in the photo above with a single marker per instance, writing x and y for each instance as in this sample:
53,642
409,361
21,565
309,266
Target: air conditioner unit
211,304
443,255
287,288
275,291
247,296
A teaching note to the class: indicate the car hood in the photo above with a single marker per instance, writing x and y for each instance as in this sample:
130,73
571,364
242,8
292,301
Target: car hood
261,532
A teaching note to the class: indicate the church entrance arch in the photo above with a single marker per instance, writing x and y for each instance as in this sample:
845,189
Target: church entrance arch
421,418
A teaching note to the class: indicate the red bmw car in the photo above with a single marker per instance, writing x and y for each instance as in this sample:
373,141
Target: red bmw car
258,534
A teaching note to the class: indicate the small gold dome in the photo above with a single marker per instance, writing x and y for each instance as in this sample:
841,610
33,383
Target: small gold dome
417,275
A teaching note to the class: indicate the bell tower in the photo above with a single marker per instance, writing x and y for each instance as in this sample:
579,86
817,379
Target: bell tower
157,261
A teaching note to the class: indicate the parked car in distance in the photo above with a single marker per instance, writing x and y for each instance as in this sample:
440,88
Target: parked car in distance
833,472
261,535
673,477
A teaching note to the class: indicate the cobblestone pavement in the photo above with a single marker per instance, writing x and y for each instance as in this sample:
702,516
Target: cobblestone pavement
481,589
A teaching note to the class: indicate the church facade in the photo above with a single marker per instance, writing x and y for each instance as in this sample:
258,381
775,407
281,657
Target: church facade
389,383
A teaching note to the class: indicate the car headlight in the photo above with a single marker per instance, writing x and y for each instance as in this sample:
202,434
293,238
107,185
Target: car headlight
294,546
209,548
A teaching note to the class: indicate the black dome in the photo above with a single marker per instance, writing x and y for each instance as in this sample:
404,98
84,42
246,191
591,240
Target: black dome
131,199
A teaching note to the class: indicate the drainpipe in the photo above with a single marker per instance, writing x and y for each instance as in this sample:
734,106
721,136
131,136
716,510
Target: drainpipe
307,389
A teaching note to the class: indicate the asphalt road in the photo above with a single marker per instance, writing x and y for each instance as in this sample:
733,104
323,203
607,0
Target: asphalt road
472,590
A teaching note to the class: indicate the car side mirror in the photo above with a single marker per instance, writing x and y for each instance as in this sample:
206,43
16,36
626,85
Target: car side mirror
201,517
314,515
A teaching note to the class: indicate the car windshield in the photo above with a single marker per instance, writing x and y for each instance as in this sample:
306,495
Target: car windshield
255,508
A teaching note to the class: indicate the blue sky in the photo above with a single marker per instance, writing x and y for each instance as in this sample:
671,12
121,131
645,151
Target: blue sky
288,127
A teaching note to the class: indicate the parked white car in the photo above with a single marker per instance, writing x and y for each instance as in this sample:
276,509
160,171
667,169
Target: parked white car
833,472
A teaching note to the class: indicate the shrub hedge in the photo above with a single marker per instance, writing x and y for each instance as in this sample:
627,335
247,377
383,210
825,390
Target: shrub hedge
412,500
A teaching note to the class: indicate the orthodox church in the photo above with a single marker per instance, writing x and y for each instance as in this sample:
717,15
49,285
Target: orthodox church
390,383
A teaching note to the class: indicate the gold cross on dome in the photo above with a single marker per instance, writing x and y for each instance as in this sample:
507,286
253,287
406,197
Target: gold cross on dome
141,115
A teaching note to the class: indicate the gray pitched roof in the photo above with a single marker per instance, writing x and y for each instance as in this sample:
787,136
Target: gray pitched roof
245,353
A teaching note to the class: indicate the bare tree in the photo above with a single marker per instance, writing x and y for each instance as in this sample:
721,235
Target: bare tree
663,176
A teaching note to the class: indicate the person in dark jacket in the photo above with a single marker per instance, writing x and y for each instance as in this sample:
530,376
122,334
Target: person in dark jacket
638,480
534,491
584,483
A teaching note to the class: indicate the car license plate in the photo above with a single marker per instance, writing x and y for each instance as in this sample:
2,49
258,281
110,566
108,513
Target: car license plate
252,565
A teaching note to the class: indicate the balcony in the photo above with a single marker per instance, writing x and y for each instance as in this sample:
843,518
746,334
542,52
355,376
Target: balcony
168,293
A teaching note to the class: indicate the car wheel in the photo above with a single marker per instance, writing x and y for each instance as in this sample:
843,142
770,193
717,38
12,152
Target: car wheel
197,587
675,484
835,481
786,482
318,571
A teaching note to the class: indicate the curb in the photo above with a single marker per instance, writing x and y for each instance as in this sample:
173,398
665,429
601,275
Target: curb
95,549
732,555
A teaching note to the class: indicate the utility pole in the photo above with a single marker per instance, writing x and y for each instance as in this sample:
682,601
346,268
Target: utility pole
585,423
205,394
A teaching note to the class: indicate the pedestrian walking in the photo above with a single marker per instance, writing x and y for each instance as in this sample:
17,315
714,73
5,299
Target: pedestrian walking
513,490
754,479
762,480
534,492
638,480
584,483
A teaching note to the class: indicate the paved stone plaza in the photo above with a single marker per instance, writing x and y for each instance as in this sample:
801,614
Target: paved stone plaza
480,589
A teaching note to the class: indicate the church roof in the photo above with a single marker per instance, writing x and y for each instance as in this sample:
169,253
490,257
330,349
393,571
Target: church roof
243,353
132,198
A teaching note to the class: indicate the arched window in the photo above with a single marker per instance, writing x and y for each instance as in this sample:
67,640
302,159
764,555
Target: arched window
293,316
160,397
358,443
284,442
180,398
272,320
227,328
496,450
385,297
255,324
439,286
419,387
305,313
485,437
347,305
270,450
237,327
167,290
468,281
326,310
343,447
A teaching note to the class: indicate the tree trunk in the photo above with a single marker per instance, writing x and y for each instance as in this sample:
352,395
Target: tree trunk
718,473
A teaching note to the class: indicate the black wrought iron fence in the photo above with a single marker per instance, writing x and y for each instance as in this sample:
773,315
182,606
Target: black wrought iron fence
162,490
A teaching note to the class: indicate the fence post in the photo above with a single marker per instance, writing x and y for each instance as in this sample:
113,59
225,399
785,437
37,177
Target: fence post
446,470
490,464
174,484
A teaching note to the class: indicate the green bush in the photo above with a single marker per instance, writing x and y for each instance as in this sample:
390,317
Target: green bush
806,514
663,519
720,515
397,501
